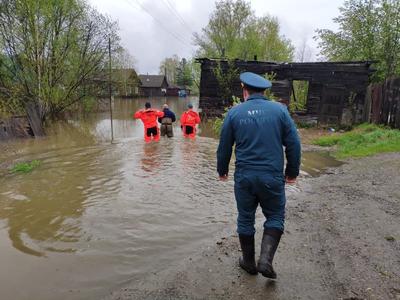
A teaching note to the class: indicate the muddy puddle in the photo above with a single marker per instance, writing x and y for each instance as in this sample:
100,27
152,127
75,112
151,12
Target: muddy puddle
95,215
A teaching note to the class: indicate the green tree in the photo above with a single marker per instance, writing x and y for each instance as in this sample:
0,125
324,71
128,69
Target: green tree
168,67
368,30
124,73
226,75
234,31
181,72
53,49
184,74
195,70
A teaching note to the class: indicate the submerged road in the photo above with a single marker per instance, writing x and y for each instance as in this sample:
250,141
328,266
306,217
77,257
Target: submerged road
342,241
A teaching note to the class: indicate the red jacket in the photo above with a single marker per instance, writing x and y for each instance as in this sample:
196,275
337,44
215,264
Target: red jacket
190,118
149,117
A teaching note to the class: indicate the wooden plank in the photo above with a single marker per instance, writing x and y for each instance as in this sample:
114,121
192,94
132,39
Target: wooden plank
376,103
34,119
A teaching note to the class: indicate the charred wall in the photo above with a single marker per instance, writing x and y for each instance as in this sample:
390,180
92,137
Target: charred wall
333,87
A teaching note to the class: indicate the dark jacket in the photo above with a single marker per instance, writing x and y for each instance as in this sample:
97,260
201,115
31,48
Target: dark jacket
168,114
260,129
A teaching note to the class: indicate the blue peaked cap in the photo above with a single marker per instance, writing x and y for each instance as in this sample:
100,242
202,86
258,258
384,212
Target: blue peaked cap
256,81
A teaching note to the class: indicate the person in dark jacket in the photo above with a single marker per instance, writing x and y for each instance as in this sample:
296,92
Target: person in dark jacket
260,129
166,121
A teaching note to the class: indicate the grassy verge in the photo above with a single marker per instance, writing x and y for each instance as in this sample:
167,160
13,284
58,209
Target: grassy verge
25,167
364,140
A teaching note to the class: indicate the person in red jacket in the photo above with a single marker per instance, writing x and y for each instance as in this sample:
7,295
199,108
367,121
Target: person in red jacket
149,118
189,120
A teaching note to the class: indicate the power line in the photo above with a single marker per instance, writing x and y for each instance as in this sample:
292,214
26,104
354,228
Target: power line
176,36
171,8
142,7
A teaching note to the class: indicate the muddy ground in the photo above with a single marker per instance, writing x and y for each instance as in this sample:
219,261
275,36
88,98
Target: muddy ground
342,241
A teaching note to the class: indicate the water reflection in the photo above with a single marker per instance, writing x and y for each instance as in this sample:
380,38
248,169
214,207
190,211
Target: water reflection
151,159
190,154
315,163
43,209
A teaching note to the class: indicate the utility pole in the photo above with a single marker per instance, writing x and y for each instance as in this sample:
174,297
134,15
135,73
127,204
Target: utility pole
110,88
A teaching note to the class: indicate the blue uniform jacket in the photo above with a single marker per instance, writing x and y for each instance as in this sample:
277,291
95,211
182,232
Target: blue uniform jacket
259,128
168,114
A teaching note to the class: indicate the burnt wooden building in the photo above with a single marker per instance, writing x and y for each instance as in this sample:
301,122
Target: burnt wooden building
336,90
153,85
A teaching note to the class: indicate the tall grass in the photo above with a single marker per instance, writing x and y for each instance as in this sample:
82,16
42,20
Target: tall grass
364,140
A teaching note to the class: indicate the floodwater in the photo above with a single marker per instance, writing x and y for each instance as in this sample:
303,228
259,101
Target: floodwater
95,216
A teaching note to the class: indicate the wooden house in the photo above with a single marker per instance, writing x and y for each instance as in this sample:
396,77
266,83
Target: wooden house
124,82
127,82
153,85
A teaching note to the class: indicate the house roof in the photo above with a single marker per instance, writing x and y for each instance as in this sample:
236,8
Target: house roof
152,81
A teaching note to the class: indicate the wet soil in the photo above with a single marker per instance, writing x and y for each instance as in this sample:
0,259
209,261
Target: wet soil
342,241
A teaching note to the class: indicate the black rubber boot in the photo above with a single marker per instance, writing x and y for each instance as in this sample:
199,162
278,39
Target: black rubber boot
269,244
247,262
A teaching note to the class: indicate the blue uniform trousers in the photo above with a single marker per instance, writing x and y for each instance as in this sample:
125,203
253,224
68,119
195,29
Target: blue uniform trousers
253,187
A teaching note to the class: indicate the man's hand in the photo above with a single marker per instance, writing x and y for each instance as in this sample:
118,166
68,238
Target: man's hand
290,180
224,177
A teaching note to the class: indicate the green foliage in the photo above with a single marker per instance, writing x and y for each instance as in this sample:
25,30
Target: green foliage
268,93
52,52
181,72
124,77
226,78
368,30
9,105
169,67
364,140
88,103
301,93
226,75
234,31
184,74
217,126
25,167
306,125
195,70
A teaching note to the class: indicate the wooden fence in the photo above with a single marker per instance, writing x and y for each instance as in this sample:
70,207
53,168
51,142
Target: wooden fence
15,127
22,126
382,105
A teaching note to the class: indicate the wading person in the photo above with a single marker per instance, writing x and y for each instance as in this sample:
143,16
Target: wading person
149,118
260,129
189,120
166,121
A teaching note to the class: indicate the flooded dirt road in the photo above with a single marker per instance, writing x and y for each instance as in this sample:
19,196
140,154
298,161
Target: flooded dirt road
342,241
95,216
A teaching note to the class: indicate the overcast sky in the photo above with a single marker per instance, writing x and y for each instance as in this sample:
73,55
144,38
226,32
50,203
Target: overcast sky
154,29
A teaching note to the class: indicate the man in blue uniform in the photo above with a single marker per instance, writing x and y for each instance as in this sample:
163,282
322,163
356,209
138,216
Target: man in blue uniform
260,129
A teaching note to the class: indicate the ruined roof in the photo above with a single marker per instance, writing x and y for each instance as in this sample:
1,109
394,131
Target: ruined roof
315,63
152,81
